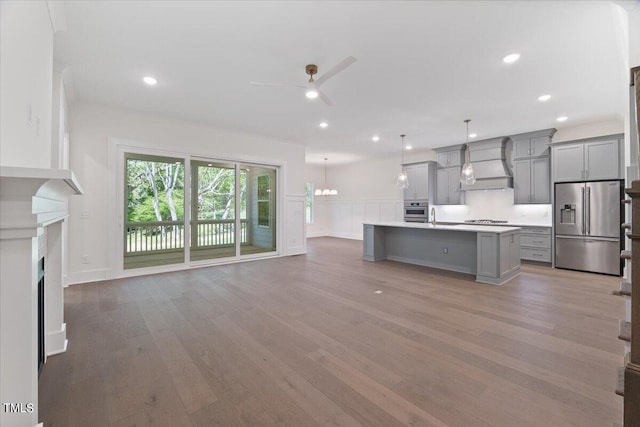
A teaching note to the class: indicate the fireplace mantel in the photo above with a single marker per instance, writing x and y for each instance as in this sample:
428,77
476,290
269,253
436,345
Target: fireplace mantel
33,197
33,206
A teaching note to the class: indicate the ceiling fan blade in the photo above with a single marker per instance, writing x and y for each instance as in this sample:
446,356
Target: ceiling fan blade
335,70
275,84
325,98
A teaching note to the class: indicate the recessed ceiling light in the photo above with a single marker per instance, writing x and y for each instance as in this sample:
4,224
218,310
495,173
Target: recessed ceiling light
377,292
562,118
375,138
408,147
473,135
510,59
150,81
543,98
324,124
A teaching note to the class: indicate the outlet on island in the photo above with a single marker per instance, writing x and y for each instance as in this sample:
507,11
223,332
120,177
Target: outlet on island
445,250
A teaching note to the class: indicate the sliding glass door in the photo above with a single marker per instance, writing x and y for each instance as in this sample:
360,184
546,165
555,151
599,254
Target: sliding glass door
154,211
214,209
232,210
259,199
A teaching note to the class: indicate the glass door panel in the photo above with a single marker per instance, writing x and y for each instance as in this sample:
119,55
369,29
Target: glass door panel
258,198
213,212
154,211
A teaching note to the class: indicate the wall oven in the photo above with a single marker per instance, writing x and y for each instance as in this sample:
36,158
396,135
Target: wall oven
416,210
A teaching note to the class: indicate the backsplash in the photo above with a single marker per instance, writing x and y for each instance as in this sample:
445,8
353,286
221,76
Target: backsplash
495,204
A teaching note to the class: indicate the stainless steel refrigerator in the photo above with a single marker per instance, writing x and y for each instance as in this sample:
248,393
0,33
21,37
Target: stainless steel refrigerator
587,226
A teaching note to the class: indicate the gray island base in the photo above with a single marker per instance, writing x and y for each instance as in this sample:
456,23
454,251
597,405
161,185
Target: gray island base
491,253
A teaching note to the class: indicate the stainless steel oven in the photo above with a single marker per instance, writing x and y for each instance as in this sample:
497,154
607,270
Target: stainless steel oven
416,210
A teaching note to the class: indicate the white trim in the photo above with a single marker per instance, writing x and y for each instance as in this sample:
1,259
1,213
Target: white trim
351,236
87,276
317,234
56,342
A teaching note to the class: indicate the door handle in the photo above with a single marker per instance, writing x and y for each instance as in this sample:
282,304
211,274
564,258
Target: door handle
588,210
583,208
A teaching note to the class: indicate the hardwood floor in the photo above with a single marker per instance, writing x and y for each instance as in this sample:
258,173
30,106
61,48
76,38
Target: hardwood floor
305,341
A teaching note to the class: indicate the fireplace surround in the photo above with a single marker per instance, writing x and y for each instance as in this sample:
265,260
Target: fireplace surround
33,206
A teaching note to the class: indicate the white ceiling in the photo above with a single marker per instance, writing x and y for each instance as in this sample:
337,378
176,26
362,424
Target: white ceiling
423,67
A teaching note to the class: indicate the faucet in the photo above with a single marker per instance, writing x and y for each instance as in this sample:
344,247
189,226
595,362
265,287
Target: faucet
433,216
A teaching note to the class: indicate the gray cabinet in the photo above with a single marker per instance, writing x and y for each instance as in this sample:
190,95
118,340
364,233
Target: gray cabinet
450,156
531,147
531,181
532,167
418,175
509,252
373,243
589,160
498,255
448,187
535,244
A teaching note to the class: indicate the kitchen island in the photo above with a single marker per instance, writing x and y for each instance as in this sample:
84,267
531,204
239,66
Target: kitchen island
491,253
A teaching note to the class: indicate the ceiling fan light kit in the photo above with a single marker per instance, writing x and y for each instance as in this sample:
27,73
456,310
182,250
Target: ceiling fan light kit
312,88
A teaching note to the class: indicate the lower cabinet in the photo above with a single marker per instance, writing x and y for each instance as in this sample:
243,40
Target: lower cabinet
535,244
509,252
498,256
373,243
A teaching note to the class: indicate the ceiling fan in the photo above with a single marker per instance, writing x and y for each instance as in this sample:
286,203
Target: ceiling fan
313,86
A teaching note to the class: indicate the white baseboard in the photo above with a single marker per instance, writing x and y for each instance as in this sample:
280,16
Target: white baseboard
317,234
78,277
297,251
353,236
56,342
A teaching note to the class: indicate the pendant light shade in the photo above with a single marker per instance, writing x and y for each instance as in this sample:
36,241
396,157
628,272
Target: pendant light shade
326,191
467,175
403,179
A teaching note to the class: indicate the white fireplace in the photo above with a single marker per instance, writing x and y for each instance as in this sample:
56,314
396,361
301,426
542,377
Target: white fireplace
33,207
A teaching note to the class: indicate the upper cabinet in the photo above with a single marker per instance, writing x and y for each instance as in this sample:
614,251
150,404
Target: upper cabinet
447,188
450,156
532,167
588,160
419,180
531,147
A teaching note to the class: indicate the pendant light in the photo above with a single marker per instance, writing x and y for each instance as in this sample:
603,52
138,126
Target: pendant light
403,179
326,191
467,176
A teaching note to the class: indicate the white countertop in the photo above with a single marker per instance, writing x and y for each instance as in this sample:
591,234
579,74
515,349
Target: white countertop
508,224
450,227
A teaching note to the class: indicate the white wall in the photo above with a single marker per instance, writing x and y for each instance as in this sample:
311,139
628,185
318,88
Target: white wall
26,67
91,127
321,223
589,130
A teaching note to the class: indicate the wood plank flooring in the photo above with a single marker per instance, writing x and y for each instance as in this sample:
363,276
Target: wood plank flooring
305,341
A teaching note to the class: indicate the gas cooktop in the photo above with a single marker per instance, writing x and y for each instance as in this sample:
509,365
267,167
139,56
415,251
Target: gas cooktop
485,221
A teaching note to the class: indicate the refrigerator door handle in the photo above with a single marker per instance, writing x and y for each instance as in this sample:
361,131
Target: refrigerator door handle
583,213
588,239
588,210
